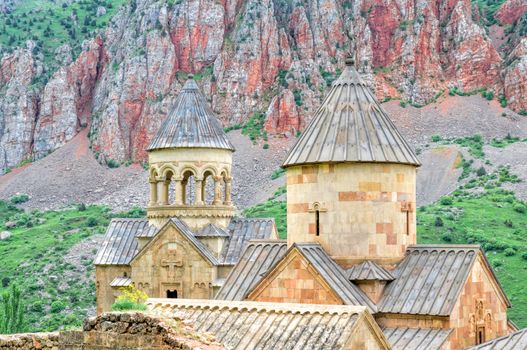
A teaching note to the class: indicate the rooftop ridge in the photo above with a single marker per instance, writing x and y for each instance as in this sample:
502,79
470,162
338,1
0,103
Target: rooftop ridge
256,305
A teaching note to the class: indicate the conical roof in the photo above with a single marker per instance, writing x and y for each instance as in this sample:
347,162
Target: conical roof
350,126
191,123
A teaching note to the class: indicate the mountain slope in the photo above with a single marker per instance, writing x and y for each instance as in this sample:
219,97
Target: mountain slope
274,57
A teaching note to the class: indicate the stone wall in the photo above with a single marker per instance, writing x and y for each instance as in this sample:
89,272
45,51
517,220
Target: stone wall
30,341
105,294
116,331
362,210
294,281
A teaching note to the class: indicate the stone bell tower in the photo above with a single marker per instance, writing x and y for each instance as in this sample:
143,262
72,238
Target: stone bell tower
190,159
351,179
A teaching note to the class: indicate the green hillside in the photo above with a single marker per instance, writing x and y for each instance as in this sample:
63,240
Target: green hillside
52,24
57,284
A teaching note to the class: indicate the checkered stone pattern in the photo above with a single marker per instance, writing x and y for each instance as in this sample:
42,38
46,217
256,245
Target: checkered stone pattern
366,210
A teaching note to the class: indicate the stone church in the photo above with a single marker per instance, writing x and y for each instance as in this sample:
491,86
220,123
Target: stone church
351,240
191,239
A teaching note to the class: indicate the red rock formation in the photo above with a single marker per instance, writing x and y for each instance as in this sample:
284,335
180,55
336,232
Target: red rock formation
515,81
282,115
511,11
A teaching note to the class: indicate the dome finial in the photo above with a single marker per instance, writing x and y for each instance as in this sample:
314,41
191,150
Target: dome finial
350,61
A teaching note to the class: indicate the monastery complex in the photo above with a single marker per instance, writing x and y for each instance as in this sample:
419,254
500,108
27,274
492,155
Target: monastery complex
349,276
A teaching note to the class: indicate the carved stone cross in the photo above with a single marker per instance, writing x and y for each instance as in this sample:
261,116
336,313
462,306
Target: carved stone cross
171,266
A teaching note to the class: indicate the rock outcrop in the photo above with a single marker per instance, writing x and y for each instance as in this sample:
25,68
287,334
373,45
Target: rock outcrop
511,11
266,56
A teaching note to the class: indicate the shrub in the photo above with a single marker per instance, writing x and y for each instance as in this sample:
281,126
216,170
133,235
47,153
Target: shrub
497,263
436,138
438,222
91,222
509,252
520,208
112,163
446,201
5,282
447,237
481,171
57,306
508,223
277,173
131,298
81,207
37,306
265,146
19,198
524,256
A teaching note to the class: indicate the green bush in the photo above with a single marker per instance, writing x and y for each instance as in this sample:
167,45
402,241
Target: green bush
124,305
57,306
447,237
446,201
438,222
81,207
37,306
277,173
265,146
520,208
91,222
112,163
436,138
19,198
524,256
509,252
481,171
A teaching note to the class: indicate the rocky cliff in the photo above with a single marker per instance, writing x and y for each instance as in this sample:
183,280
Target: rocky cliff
272,56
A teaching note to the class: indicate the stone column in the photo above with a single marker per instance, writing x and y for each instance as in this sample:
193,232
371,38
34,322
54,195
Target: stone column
153,192
178,192
184,191
199,194
217,190
163,190
228,188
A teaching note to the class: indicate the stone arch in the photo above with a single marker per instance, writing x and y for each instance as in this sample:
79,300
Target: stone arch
188,181
165,168
208,186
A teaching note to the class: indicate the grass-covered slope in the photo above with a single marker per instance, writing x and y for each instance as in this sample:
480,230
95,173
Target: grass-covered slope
51,24
57,283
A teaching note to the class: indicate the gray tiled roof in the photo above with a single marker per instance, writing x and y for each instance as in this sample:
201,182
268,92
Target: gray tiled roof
211,230
121,282
369,270
513,341
350,126
429,279
416,338
254,325
257,258
191,123
242,230
119,245
334,275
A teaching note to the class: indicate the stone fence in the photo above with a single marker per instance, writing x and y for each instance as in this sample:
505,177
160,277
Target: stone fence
116,331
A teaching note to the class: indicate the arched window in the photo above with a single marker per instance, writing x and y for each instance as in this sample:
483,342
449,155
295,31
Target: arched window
172,294
208,187
189,187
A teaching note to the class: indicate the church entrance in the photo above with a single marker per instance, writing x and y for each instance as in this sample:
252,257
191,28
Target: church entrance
172,294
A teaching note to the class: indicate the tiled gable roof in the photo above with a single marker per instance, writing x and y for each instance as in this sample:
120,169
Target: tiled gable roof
211,230
334,275
350,126
513,341
429,279
241,230
416,338
255,325
191,123
367,271
119,245
257,258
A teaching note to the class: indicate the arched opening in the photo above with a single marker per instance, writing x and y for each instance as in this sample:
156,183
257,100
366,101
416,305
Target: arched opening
172,294
208,187
189,187
169,186
223,188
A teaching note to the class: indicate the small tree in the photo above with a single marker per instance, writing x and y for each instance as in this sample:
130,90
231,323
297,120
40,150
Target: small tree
131,298
11,311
